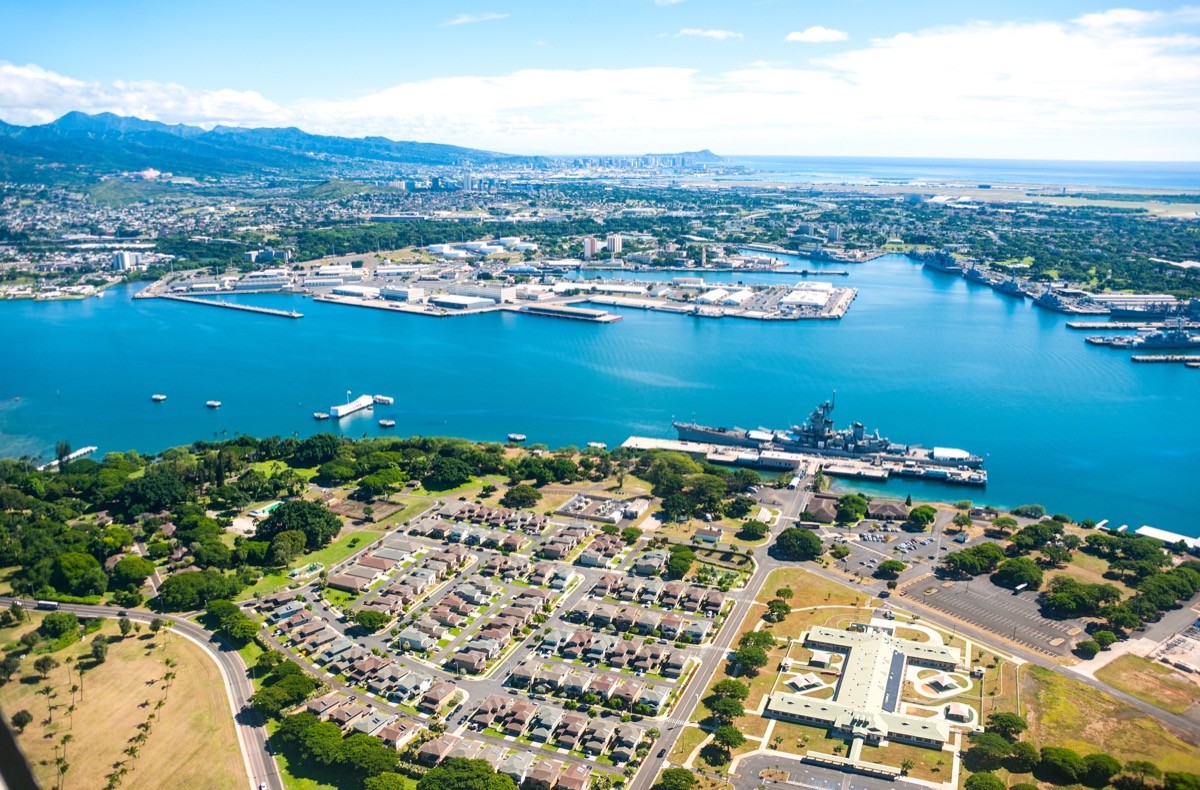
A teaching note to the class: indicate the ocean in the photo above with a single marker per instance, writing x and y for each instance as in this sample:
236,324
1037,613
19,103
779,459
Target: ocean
970,172
924,357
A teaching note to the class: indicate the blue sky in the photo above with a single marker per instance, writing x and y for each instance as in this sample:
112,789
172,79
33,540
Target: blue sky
859,77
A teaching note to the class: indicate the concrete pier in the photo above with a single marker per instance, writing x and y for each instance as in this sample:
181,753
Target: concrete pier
229,305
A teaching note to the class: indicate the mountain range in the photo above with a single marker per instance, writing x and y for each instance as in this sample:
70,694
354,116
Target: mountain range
79,147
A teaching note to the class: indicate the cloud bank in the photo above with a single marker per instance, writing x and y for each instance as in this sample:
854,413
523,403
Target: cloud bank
1117,84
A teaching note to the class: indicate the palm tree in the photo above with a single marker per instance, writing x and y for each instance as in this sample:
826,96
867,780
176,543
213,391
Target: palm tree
907,765
66,739
46,691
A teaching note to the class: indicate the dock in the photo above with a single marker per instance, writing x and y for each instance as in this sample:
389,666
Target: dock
1191,360
231,306
80,453
565,311
1129,325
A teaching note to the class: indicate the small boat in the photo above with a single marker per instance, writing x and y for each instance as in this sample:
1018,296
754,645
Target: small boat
597,445
387,423
516,437
213,404
384,400
320,415
158,398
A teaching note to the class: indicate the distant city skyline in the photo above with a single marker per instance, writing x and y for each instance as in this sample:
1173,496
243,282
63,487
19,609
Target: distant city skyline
1061,79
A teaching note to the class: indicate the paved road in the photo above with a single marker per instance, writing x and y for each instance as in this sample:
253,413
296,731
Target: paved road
807,775
252,735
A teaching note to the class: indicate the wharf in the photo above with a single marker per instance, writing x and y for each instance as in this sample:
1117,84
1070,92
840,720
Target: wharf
1191,360
1131,325
229,305
565,311
80,453
724,269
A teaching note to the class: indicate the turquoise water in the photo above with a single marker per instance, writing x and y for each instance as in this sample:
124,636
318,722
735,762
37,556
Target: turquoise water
924,357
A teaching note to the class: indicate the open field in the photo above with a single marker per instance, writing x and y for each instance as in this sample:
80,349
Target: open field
689,738
1062,712
809,589
926,760
1147,680
1090,569
801,739
191,742
351,540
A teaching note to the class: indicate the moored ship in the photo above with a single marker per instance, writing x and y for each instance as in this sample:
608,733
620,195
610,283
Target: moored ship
939,261
1172,334
1010,287
818,436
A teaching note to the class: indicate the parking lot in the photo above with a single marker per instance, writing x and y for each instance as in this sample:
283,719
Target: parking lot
998,610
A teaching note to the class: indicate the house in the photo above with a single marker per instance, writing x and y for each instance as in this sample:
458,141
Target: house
411,683
384,680
543,775
436,698
605,584
603,615
697,630
371,723
284,611
548,720
714,601
557,637
629,589
345,715
465,750
600,646
647,622
577,777
468,661
572,729
517,766
354,584
562,578
672,624
625,618
673,665
416,640
493,755
622,654
524,675
672,594
887,510
323,706
553,678
575,646
542,572
592,558
604,686
625,743
709,534
651,589
693,599
654,697
650,563
513,542
376,562
628,692
598,737
492,708
434,751
519,717
397,734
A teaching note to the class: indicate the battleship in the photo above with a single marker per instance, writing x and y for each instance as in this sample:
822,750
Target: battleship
1010,287
818,436
1172,334
939,261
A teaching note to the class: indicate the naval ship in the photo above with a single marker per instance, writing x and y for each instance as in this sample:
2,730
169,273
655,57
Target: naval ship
818,436
1172,334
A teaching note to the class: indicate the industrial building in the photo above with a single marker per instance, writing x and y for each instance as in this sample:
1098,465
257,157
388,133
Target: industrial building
483,289
867,697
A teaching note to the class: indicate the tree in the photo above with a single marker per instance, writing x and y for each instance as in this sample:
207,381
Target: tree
785,593
322,742
1023,758
456,773
1008,725
754,530
181,592
631,535
726,709
679,565
77,573
839,551
764,640
1060,765
446,473
1016,571
739,506
1175,780
961,520
10,665
1104,638
44,665
292,728
1029,511
751,658
316,521
1004,524
1141,769
286,546
367,755
907,764
889,569
521,496
1099,768
1087,649
777,610
387,780
21,719
734,689
795,543
57,624
984,781
100,648
371,619
919,518
987,752
676,779
131,572
125,625
728,736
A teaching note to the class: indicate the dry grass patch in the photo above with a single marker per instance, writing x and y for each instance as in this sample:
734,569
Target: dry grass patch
1150,681
925,760
801,739
191,742
1064,712
810,589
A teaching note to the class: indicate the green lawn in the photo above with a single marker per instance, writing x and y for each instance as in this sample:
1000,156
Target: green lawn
332,554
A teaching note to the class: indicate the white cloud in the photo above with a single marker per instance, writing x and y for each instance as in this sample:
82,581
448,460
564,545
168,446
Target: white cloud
816,35
1074,90
667,2
470,19
719,35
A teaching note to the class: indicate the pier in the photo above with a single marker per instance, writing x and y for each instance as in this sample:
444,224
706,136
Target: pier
1191,360
1131,325
231,306
80,453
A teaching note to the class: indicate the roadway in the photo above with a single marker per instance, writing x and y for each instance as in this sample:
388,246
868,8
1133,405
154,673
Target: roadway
248,723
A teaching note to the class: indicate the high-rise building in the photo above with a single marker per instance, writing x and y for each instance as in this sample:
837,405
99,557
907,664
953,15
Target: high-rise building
835,233
124,261
590,246
613,243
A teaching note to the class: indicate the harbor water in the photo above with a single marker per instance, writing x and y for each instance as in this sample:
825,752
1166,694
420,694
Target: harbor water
925,357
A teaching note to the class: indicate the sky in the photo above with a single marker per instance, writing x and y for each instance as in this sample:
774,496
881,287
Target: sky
1053,79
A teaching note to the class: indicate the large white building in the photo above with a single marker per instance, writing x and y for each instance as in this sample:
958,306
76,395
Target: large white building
590,247
867,697
483,289
124,261
613,243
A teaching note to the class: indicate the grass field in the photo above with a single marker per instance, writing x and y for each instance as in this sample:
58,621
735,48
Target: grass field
926,760
1063,712
689,738
1090,569
809,589
1150,681
340,549
191,742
